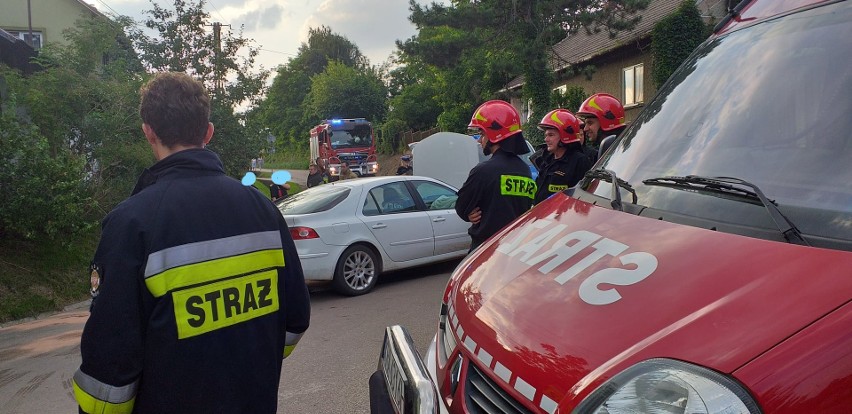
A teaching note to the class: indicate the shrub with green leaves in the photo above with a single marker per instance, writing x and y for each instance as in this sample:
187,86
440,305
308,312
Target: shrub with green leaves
44,192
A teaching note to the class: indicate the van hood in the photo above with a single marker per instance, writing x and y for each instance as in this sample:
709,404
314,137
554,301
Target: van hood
572,294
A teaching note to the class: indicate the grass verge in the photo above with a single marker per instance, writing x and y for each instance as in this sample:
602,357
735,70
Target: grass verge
44,276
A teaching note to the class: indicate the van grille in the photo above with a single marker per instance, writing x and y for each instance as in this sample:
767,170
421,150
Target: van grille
484,396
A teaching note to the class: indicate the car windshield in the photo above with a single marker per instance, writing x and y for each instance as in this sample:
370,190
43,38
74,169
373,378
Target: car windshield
313,200
359,136
769,104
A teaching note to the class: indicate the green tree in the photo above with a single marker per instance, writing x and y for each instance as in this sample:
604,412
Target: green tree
467,40
284,111
414,96
188,41
571,99
87,107
345,92
44,192
674,38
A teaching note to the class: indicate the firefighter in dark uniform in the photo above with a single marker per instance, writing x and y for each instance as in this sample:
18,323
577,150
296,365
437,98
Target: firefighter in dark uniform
603,116
499,189
200,292
561,161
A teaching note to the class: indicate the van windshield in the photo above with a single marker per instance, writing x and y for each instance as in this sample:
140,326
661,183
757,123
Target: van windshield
770,104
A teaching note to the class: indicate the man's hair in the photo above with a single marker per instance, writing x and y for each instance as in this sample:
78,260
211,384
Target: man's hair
177,108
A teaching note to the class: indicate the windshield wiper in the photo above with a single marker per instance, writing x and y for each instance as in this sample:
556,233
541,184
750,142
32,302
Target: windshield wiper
609,176
732,185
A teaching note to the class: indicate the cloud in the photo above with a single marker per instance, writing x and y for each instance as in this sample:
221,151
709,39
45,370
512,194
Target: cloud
372,25
259,19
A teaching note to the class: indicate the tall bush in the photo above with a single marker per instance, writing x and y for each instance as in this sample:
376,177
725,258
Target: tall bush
44,194
674,38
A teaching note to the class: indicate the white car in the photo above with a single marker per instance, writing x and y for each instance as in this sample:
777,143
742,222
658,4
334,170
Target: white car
351,231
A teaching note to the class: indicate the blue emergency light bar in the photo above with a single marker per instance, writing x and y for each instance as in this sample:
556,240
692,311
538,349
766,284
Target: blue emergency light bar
336,121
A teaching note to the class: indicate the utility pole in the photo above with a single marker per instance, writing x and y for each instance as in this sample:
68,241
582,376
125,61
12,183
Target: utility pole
219,82
30,21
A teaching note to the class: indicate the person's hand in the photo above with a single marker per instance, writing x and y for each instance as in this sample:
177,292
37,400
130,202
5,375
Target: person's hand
475,216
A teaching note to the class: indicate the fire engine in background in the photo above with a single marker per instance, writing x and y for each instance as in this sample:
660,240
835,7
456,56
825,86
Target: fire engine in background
350,141
703,266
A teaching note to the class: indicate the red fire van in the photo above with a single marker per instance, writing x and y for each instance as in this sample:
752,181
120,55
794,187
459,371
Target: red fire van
703,266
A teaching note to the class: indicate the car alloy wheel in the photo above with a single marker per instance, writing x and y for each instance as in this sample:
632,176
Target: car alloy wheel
356,271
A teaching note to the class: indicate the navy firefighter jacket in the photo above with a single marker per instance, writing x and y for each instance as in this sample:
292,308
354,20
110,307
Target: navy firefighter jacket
202,296
502,188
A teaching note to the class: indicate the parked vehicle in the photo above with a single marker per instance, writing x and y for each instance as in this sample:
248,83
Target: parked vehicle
349,232
350,141
703,266
449,157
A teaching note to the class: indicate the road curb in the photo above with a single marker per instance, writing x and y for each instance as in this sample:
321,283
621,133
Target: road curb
72,307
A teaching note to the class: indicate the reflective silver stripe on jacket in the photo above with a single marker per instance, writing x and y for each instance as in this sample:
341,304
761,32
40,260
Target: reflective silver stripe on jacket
292,339
105,392
185,254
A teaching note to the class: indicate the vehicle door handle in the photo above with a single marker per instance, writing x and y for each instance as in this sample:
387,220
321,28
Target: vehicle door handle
379,226
438,219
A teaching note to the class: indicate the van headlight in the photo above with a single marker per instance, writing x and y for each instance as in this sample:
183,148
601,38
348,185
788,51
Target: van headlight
446,339
668,386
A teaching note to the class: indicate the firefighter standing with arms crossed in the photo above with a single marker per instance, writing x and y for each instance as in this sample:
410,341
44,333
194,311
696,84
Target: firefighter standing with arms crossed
562,162
499,189
200,290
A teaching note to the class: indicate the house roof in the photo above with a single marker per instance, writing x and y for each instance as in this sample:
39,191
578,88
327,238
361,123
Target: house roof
581,47
91,8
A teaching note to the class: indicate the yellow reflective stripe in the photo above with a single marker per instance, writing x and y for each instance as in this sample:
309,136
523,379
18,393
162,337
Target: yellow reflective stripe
516,185
514,127
553,188
594,104
288,350
290,341
556,119
92,405
193,274
217,305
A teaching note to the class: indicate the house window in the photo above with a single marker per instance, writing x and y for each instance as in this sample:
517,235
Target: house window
25,36
633,85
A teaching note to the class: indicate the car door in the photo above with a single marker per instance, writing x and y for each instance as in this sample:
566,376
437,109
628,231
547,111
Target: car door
449,229
403,231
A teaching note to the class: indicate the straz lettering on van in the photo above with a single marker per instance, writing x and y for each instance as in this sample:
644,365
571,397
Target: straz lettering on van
217,305
516,185
551,247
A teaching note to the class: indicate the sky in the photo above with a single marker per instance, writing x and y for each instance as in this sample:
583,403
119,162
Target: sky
279,27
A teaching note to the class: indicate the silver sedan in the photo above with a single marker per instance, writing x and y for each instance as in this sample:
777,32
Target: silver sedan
350,231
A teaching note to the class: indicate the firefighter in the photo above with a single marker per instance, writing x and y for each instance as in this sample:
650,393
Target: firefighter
561,162
499,189
200,292
600,112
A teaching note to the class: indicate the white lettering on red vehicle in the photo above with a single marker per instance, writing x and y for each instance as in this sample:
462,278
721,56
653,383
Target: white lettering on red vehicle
641,264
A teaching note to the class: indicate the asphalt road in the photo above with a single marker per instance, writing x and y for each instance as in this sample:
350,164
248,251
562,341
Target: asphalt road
327,373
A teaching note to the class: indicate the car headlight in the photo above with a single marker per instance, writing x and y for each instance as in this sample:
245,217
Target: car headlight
668,386
447,341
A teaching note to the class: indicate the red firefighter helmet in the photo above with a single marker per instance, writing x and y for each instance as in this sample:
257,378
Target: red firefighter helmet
563,121
604,107
497,119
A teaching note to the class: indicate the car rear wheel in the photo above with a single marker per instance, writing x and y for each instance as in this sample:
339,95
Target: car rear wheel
356,272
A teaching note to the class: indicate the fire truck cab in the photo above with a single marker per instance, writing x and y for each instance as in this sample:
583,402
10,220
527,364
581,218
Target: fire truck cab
350,141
